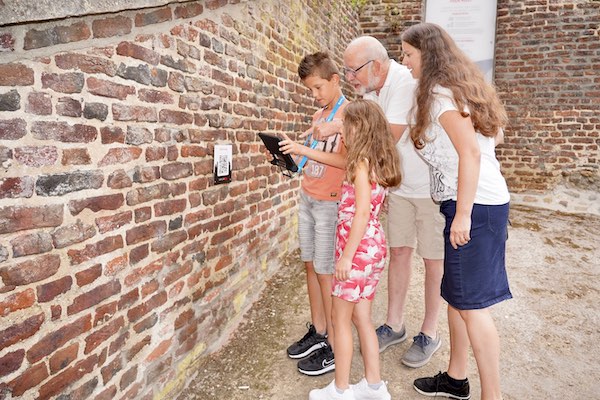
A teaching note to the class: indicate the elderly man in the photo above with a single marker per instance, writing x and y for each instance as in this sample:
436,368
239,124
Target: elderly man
414,220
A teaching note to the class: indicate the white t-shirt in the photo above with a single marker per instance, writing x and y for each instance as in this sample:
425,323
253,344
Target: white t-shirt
396,99
440,154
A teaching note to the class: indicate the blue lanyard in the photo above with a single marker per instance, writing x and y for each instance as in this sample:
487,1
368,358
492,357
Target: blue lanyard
314,143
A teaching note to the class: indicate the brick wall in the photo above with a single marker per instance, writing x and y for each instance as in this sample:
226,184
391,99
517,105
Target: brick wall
547,63
121,262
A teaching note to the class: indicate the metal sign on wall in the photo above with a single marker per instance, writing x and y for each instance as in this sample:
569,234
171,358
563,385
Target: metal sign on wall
472,25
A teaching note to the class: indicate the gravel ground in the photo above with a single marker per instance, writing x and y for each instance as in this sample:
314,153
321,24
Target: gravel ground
549,332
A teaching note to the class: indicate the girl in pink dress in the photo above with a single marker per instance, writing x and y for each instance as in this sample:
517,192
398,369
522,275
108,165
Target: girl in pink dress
372,167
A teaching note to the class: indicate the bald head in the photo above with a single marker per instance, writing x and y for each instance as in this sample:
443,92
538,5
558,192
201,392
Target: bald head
366,64
367,47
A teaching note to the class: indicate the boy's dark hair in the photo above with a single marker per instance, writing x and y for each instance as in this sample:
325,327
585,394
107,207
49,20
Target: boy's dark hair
317,64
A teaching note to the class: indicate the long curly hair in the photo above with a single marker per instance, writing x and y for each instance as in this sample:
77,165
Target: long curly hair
368,136
444,64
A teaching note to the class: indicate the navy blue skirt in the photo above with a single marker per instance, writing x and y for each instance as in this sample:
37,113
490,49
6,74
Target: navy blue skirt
475,274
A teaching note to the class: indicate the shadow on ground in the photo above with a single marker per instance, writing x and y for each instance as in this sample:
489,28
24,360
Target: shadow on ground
549,332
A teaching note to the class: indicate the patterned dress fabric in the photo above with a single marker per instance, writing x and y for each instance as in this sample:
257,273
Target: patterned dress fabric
369,259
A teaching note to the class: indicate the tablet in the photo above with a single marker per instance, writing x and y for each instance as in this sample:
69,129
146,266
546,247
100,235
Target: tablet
282,160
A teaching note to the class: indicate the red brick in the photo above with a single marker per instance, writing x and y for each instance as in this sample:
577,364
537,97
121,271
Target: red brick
76,157
155,96
155,153
111,369
135,313
112,222
7,42
93,297
95,204
122,112
68,107
84,391
105,312
112,134
170,207
176,82
11,362
119,343
49,291
142,195
153,17
85,63
128,377
159,350
12,188
34,243
35,39
136,348
70,82
107,394
176,171
168,242
103,334
12,129
63,357
63,132
104,88
214,4
188,11
108,27
120,156
36,156
15,75
39,103
21,330
68,377
175,117
116,265
30,271
89,275
145,232
176,273
138,254
119,180
17,301
94,250
71,234
133,50
54,340
30,378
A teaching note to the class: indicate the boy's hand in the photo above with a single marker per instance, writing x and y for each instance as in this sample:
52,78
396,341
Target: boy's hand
326,129
288,146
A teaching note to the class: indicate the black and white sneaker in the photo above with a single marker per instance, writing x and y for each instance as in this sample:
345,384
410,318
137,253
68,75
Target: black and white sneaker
311,342
320,362
440,386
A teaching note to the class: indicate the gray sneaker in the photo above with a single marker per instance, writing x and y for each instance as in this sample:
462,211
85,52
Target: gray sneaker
386,336
421,350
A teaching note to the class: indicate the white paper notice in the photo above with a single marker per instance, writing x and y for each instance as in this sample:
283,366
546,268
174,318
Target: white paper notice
472,25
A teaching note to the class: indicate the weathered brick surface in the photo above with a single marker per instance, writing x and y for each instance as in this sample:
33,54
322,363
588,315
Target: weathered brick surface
112,230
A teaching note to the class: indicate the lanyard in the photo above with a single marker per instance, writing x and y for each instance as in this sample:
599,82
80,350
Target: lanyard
314,143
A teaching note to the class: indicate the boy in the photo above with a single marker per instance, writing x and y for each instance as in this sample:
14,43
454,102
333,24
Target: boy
319,196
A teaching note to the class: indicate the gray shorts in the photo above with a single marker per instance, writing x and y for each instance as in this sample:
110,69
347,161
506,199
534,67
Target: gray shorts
317,223
416,223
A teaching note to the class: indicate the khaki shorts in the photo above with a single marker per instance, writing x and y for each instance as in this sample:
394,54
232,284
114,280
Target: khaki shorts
416,223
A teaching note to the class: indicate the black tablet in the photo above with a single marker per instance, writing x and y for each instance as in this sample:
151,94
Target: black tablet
282,160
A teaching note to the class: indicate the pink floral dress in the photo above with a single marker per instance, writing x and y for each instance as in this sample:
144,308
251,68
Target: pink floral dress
369,259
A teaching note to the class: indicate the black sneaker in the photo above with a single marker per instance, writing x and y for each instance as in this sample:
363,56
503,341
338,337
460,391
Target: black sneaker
320,362
310,342
440,386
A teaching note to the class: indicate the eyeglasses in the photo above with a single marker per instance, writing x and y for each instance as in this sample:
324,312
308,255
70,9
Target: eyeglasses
353,72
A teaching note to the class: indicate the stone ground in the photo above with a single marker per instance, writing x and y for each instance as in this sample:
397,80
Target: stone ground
549,332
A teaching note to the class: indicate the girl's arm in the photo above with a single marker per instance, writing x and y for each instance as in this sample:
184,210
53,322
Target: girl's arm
362,189
462,134
288,146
